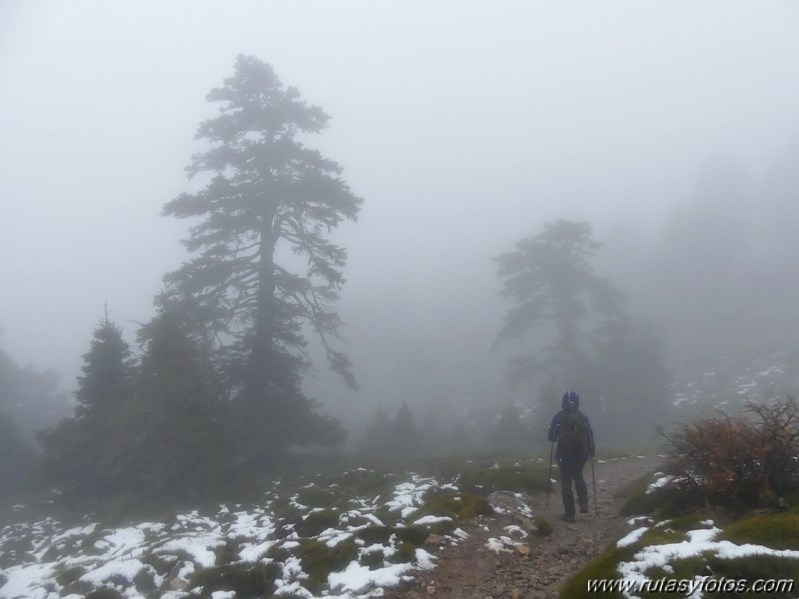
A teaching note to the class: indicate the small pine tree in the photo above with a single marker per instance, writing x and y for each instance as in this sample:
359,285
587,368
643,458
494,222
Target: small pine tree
16,456
378,434
404,434
82,453
176,444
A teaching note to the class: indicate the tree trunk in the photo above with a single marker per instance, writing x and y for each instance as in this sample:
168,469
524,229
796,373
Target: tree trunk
261,361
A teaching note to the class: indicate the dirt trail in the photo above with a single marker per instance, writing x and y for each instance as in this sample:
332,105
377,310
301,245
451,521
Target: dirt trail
470,570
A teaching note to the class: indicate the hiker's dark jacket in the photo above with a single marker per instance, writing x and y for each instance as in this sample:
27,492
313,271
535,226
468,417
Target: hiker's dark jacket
554,429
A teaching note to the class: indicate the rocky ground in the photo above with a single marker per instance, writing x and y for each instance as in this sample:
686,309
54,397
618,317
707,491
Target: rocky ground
539,566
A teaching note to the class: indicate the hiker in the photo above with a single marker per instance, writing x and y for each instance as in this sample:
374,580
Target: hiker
571,429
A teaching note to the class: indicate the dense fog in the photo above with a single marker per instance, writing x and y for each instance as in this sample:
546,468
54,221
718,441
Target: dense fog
465,128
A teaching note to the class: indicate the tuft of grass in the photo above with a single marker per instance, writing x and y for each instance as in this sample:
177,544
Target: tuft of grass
315,522
755,567
543,526
412,535
664,502
372,535
778,530
319,560
673,530
70,575
458,506
406,553
247,580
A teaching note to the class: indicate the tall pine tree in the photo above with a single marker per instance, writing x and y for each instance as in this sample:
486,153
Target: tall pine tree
269,196
550,279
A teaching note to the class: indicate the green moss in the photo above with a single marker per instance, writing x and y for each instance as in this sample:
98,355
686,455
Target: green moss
778,531
248,580
319,560
506,478
543,526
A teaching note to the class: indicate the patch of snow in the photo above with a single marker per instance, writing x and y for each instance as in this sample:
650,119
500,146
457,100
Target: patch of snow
425,520
199,547
425,560
659,483
495,545
632,537
357,578
126,569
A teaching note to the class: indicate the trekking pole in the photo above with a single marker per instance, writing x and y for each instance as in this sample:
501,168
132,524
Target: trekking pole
549,474
593,480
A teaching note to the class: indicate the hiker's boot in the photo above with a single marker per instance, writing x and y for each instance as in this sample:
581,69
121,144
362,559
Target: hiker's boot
583,501
568,505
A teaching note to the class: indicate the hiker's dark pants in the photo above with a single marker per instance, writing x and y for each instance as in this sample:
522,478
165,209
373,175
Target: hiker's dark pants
571,469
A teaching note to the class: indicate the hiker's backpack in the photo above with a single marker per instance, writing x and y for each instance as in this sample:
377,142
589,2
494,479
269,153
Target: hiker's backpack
573,437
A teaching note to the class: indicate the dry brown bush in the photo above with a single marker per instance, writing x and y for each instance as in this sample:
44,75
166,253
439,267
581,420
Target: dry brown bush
739,462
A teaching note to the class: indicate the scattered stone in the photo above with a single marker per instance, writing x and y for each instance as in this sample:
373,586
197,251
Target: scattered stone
523,550
434,540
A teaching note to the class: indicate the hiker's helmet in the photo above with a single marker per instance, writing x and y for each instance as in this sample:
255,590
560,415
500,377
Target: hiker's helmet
571,401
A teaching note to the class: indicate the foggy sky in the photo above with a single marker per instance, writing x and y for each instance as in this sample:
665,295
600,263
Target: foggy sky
464,126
